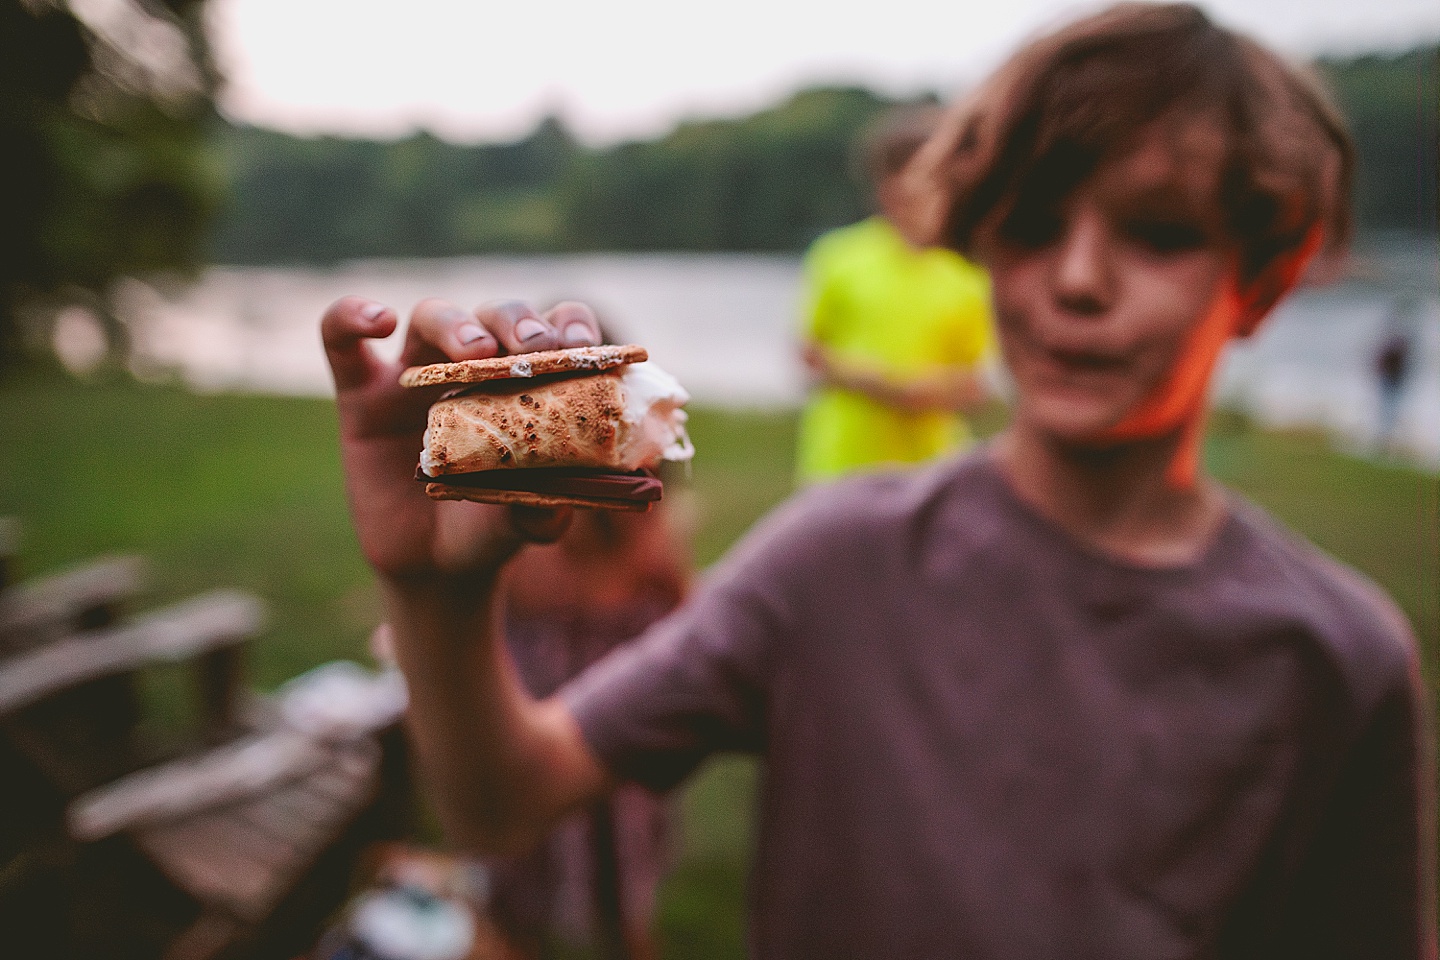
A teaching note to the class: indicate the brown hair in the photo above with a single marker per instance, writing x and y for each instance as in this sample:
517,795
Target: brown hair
1081,96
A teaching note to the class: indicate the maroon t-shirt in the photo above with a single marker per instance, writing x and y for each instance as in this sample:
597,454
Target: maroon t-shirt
983,740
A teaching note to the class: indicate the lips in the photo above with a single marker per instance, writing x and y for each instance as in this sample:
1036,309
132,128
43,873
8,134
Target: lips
1077,368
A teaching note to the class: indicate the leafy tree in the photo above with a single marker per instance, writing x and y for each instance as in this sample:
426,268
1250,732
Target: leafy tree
1392,103
105,129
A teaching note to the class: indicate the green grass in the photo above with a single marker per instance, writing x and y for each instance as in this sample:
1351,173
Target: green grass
245,491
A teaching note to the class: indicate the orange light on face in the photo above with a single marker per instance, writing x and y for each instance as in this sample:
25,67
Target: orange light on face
1178,401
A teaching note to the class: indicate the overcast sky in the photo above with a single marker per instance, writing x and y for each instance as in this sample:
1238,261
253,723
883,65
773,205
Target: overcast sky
479,69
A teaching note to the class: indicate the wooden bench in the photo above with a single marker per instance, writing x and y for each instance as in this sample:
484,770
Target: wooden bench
114,845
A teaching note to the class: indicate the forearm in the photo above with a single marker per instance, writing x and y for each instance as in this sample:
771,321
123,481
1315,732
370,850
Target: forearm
951,390
828,370
947,391
501,766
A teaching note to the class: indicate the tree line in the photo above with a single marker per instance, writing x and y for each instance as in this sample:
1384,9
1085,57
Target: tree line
119,165
771,181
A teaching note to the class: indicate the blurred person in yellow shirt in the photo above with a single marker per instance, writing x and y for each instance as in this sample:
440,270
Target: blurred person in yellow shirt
894,335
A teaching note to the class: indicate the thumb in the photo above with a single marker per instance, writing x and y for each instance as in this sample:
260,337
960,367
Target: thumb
541,524
345,329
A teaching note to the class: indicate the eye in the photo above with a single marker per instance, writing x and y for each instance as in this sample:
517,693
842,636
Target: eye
1032,227
1165,236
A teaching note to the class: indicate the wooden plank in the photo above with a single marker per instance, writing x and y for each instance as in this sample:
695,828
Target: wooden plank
235,833
171,850
203,856
296,804
312,806
329,799
276,820
173,634
244,768
332,784
246,857
57,602
353,762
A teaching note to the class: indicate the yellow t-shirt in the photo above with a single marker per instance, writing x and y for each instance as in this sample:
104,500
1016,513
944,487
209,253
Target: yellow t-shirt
875,300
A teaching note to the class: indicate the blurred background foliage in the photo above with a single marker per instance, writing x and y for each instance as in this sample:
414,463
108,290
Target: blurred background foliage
1393,106
772,181
106,128
120,165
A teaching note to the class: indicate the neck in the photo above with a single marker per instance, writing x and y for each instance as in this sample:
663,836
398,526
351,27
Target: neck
1118,500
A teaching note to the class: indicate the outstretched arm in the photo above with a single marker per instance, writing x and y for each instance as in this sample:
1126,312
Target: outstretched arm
502,767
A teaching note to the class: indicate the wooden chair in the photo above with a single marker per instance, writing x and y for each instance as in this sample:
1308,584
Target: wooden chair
114,843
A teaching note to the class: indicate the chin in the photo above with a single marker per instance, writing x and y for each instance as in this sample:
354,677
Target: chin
1070,420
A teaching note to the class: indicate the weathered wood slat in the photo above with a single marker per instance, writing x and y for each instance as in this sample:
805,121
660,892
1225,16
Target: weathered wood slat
264,816
234,837
199,855
57,601
235,771
243,856
296,806
172,849
253,878
338,781
295,814
330,794
172,634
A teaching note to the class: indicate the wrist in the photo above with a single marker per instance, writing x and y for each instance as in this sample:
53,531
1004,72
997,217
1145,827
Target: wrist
438,618
457,594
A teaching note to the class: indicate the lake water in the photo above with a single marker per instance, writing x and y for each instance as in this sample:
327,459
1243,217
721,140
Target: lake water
723,324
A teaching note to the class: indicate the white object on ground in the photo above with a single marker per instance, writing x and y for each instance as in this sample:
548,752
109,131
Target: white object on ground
342,700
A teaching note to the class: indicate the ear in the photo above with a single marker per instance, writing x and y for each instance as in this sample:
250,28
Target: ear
1276,280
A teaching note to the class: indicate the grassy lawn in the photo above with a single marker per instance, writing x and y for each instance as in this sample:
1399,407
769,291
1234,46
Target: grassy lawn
245,491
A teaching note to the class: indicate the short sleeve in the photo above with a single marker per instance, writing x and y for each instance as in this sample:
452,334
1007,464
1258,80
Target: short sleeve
697,682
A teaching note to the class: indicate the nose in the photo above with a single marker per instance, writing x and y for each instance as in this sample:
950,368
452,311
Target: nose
1083,277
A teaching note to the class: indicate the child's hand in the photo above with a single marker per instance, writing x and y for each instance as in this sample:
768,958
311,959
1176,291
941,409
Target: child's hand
403,533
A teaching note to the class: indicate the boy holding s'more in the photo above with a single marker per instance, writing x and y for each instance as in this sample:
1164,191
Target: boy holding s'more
1064,696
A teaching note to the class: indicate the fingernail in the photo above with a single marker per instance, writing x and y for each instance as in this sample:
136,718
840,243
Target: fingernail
372,311
468,333
580,333
529,329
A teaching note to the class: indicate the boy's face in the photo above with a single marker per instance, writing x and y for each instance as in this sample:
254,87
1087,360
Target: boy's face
1095,295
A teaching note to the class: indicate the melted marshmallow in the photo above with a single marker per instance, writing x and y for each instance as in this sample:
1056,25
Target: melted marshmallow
653,401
